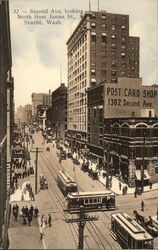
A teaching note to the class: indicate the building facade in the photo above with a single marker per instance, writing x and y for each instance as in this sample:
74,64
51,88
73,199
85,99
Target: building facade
5,67
40,99
123,128
57,115
100,49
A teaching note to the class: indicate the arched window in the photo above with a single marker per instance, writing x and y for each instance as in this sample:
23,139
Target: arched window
125,130
155,131
141,130
116,129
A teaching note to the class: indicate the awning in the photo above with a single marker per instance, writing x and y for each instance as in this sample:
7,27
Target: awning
104,34
138,175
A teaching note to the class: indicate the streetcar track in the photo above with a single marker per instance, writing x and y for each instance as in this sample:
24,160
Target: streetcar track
62,205
94,226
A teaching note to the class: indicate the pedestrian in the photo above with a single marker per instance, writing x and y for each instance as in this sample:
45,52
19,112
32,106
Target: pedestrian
126,188
150,185
49,220
17,208
42,219
120,185
157,213
46,222
23,211
29,219
142,205
36,211
135,193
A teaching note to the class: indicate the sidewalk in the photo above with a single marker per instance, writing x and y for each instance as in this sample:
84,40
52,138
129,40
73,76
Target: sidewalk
115,185
115,182
22,236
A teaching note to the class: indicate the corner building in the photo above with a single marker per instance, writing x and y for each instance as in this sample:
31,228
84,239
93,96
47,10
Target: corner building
100,49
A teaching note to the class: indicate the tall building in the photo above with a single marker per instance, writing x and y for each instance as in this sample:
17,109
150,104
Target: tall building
100,49
40,99
5,67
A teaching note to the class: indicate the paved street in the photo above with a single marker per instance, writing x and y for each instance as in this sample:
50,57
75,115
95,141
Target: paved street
65,236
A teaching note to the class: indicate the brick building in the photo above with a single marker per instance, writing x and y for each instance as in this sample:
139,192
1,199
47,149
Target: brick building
121,117
57,114
100,49
5,67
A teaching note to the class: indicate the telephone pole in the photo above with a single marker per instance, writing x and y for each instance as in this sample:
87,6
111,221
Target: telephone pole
36,166
143,162
81,224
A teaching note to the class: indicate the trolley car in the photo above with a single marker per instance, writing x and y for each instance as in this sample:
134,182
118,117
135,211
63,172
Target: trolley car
92,201
129,233
66,183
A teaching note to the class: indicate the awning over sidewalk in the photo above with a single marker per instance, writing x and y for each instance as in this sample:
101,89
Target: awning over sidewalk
138,175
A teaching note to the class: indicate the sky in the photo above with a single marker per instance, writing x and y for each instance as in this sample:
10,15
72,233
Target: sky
39,52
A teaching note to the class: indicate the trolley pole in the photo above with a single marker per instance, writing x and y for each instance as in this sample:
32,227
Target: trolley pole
81,224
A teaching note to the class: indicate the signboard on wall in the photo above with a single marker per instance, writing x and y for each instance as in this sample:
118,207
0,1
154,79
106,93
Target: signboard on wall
129,97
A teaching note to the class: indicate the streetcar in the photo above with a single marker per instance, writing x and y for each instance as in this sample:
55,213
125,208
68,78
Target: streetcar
66,183
128,233
92,201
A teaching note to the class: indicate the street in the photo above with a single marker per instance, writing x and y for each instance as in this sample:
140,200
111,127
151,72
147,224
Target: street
62,235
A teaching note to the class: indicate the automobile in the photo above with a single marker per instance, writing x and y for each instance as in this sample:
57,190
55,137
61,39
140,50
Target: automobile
69,155
31,170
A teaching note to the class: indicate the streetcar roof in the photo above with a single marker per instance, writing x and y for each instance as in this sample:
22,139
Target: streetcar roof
66,176
89,194
132,227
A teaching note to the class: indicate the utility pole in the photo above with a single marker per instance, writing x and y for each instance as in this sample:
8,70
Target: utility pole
81,224
143,162
36,166
107,164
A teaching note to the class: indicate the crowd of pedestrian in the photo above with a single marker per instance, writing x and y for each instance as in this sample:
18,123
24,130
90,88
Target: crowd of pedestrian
27,213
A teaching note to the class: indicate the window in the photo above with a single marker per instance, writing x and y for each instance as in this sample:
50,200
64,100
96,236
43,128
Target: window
104,37
156,170
113,64
93,72
123,46
113,53
103,16
123,38
122,73
103,25
103,53
113,45
123,27
93,25
113,36
123,55
113,27
113,73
